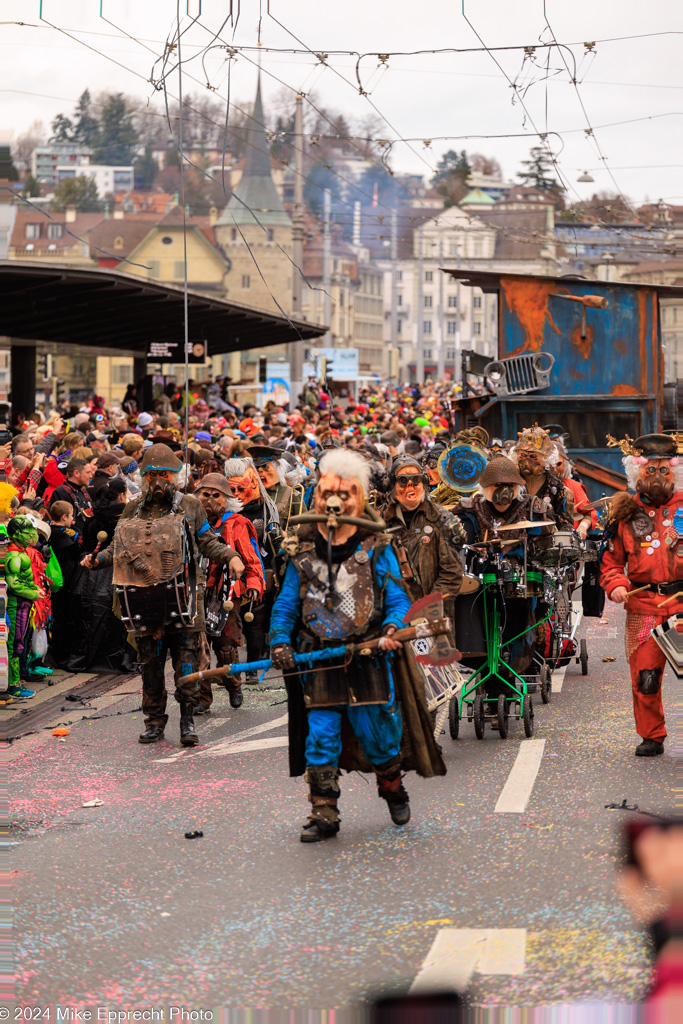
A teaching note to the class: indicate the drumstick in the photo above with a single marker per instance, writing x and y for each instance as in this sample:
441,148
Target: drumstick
674,597
101,537
229,604
249,616
636,591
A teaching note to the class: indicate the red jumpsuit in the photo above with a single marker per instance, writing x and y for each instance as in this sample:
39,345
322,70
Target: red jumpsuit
239,534
648,546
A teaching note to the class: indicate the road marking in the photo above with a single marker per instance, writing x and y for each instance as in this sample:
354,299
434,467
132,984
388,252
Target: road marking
240,748
558,677
221,745
457,952
520,781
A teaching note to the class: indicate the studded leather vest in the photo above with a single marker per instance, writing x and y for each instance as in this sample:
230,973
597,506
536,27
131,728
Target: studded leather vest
352,608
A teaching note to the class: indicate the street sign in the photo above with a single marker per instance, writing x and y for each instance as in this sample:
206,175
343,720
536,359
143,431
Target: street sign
342,363
172,351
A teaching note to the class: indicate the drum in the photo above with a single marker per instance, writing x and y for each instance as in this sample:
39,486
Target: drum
514,583
145,609
565,550
441,681
468,624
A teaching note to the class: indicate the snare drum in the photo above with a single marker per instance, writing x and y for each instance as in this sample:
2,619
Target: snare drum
565,548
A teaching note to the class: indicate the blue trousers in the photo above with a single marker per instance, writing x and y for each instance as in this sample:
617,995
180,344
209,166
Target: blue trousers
379,728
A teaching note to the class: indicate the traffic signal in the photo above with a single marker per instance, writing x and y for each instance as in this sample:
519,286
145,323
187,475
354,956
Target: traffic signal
61,392
44,366
262,370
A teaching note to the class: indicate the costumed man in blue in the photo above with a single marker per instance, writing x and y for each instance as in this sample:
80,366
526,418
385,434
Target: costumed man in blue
343,583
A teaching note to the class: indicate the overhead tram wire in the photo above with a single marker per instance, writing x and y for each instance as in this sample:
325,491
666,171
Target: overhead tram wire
321,113
590,130
186,315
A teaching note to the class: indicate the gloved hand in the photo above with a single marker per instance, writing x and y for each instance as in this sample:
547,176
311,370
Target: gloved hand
282,657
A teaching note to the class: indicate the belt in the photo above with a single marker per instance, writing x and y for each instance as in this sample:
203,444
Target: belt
675,587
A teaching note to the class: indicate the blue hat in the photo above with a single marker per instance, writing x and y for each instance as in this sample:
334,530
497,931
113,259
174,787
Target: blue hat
203,435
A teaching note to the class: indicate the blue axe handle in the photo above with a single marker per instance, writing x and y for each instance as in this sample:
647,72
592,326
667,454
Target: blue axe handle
307,660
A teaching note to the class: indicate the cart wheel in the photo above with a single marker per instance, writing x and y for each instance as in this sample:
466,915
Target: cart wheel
478,716
546,685
454,717
503,721
583,658
528,716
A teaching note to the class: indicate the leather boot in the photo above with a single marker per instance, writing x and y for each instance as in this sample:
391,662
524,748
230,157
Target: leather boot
152,734
188,736
391,789
323,821
236,698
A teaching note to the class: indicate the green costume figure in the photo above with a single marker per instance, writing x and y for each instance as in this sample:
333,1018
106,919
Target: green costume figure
21,593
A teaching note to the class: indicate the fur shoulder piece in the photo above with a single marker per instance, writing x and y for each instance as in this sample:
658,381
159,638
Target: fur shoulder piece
623,508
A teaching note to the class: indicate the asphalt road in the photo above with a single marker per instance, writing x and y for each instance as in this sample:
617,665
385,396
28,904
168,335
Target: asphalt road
115,907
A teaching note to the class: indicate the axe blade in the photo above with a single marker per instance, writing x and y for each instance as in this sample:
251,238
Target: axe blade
429,607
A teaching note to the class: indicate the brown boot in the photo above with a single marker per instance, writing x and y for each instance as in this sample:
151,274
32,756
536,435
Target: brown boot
391,788
323,821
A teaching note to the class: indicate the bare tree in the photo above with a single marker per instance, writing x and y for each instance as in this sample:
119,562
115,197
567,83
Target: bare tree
488,165
23,146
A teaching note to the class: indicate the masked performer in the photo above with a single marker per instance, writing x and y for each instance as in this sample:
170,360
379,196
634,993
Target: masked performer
155,554
346,587
536,456
273,469
259,508
503,501
428,538
222,512
645,548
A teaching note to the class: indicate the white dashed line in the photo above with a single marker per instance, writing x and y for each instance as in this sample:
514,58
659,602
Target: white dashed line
520,782
457,953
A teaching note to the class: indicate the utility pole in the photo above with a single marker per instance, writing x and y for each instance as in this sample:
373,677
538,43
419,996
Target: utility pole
394,291
295,348
420,371
327,267
442,343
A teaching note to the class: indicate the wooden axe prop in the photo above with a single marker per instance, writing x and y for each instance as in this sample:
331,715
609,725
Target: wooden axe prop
439,627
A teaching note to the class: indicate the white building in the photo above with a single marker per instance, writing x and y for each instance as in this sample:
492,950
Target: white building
108,179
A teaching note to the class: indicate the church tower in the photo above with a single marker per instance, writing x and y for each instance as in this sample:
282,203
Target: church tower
238,229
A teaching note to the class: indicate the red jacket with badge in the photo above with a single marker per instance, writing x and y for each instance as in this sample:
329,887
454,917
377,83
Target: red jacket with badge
239,534
646,541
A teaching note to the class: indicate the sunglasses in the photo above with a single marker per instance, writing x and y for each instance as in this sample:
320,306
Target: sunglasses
408,481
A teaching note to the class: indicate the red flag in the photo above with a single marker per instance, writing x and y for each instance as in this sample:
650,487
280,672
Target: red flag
375,197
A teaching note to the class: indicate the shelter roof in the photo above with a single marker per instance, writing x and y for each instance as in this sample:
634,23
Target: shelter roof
105,308
489,281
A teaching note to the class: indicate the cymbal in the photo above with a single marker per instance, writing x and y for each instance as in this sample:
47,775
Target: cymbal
526,524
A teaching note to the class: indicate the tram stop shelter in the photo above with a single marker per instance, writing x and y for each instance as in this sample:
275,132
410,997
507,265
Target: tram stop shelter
115,313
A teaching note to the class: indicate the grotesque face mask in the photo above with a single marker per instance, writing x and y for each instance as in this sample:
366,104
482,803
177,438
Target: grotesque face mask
410,489
245,488
530,464
432,474
349,492
656,481
269,475
161,485
501,496
214,502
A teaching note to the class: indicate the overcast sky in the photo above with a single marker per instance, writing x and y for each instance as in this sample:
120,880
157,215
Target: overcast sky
42,72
